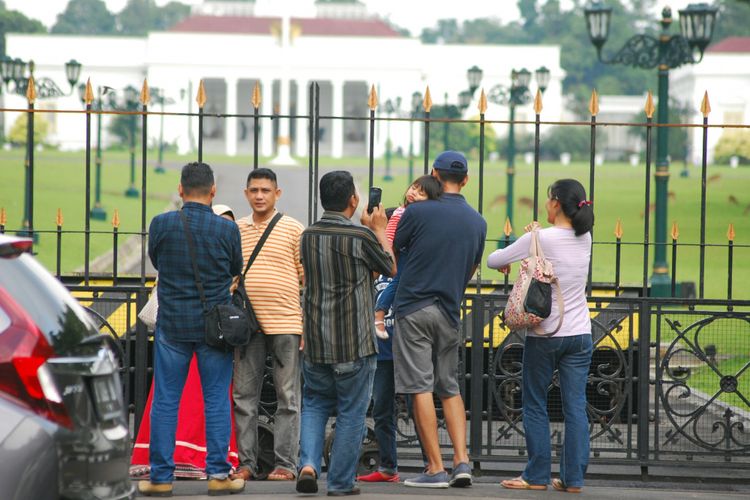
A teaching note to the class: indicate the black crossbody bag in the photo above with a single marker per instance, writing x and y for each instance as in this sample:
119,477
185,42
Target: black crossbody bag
240,298
227,326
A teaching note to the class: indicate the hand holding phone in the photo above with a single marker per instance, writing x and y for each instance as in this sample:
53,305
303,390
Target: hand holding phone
374,199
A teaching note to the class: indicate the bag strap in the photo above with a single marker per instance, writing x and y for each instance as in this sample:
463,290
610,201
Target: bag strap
261,241
536,250
193,260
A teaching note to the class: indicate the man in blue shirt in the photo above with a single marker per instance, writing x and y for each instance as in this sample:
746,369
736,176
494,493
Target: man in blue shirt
180,328
445,241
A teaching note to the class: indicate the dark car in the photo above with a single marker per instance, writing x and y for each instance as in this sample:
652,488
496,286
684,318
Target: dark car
63,430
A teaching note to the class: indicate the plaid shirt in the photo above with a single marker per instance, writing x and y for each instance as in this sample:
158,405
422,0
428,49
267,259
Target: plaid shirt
339,259
219,258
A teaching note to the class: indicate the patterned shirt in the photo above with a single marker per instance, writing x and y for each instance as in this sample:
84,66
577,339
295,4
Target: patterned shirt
219,258
339,259
273,281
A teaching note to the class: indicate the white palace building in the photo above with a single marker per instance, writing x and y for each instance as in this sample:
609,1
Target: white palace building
232,45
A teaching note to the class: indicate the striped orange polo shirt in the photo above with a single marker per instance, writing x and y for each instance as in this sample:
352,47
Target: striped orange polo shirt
273,281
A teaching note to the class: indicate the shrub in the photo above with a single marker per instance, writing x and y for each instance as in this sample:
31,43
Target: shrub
733,143
17,136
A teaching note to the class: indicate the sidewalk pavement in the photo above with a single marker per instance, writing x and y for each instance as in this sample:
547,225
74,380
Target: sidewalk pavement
486,487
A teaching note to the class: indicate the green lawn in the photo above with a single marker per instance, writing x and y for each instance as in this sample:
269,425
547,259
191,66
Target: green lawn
59,182
619,194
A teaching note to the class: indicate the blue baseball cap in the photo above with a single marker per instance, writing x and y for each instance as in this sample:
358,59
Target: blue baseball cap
451,161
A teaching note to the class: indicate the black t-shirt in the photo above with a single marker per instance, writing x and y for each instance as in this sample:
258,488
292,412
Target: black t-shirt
445,240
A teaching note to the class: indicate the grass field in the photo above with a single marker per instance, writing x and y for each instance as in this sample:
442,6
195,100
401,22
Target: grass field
619,194
59,182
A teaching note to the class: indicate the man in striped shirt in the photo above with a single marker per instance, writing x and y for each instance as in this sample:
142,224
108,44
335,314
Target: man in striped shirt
273,285
340,261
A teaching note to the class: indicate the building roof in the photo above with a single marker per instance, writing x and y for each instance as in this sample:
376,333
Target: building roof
731,44
309,26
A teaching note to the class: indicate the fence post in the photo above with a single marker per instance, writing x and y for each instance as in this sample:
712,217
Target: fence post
644,359
477,378
427,105
141,361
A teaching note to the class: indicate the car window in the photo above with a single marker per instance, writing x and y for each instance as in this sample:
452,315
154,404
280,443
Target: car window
57,314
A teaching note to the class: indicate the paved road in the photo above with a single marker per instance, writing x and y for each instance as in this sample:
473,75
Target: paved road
486,487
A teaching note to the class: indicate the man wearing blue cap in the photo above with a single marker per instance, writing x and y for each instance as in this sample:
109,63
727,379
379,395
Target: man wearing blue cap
445,240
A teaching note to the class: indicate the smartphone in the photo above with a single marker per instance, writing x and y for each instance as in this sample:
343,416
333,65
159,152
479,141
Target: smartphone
374,200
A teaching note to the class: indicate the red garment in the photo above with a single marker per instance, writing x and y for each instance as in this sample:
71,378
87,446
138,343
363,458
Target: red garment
390,229
190,448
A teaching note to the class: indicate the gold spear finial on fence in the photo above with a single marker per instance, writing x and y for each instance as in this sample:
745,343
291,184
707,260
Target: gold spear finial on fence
372,99
594,103
730,232
538,102
618,229
88,96
116,219
3,217
31,90
200,98
427,101
649,109
507,228
256,95
482,102
59,219
705,105
675,231
145,94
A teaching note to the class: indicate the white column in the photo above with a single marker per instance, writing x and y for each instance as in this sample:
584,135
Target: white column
283,150
301,143
266,125
337,126
230,130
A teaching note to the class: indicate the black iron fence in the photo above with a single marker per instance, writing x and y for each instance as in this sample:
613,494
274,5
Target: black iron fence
670,377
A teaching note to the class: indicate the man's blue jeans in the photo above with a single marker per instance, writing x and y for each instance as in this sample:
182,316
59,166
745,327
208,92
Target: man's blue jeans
384,415
345,388
171,364
571,356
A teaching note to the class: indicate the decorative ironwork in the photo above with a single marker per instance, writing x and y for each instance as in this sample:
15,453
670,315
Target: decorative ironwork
692,385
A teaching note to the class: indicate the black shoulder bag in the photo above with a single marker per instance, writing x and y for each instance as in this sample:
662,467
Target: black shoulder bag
240,298
226,325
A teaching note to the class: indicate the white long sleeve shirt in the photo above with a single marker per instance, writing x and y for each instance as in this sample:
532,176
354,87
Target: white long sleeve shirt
570,256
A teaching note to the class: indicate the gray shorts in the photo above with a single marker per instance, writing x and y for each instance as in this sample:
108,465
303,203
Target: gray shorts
425,353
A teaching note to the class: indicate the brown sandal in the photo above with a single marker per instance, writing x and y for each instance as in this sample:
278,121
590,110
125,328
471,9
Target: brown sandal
279,474
519,483
560,486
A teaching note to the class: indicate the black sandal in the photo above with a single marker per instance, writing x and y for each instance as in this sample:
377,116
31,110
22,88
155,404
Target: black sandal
307,482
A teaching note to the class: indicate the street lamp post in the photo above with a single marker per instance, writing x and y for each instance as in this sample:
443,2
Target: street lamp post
131,104
416,100
16,81
665,52
97,212
517,95
390,108
160,98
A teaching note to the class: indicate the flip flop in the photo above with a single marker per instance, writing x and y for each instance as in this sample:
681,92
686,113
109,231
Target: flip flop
519,483
307,482
560,486
279,474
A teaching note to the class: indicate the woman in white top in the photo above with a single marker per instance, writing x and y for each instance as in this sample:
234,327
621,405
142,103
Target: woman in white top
567,245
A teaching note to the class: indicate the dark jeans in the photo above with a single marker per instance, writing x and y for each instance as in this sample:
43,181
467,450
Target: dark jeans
384,414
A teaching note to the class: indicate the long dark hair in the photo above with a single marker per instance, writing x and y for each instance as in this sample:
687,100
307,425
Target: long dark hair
572,197
431,186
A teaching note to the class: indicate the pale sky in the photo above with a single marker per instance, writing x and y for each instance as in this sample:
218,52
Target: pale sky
411,14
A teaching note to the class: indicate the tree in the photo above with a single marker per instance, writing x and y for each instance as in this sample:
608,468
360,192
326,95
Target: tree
18,132
141,16
12,21
732,19
85,17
